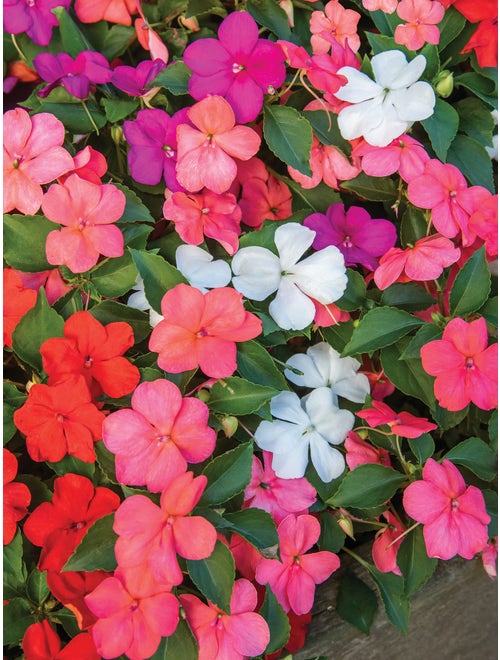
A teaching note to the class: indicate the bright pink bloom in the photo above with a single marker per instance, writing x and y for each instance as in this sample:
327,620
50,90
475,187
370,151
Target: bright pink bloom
155,440
41,642
32,156
16,497
387,6
454,516
484,222
403,424
133,616
489,557
89,164
294,578
403,155
86,210
422,17
464,365
328,164
336,21
421,262
264,199
360,452
279,497
151,537
206,153
384,557
236,635
200,330
77,75
34,17
208,214
114,11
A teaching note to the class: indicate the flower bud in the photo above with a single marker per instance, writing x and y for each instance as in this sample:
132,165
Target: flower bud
345,525
204,395
190,23
229,425
443,83
116,134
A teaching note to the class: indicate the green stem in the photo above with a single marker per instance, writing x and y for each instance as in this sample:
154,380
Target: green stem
355,556
16,46
91,119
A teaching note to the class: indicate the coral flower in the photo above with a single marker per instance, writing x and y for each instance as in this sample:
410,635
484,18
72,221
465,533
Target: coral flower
206,153
464,365
403,424
385,547
200,330
16,497
114,11
89,164
360,452
336,21
17,300
387,6
328,164
41,642
484,222
264,199
155,440
32,156
403,155
454,516
422,17
70,589
236,635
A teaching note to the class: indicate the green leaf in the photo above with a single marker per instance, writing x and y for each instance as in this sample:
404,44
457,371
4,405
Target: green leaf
96,551
490,311
482,87
422,447
289,136
446,419
12,400
181,644
373,188
339,335
475,455
270,15
175,78
72,465
38,324
332,536
256,365
493,430
277,620
476,120
431,54
424,335
228,474
491,500
413,561
318,199
39,490
367,486
68,621
237,396
199,7
110,311
36,587
380,327
409,297
356,602
391,589
413,225
450,27
73,39
255,526
441,127
24,238
74,117
214,576
135,209
118,109
326,128
380,43
117,40
408,375
106,461
385,23
115,277
473,161
14,570
158,275
472,285
17,617
354,296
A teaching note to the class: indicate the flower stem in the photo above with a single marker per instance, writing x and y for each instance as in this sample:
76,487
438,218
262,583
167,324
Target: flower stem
247,430
91,119
16,46
407,531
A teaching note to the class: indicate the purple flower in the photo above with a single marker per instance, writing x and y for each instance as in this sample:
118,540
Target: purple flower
77,75
136,81
33,17
153,146
360,238
239,66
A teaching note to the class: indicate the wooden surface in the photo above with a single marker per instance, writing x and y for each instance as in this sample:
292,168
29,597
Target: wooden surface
453,617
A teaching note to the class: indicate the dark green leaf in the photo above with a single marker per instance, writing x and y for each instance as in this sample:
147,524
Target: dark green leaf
73,39
326,129
24,238
96,551
338,335
415,564
256,365
482,87
182,644
117,40
74,117
68,621
367,486
270,15
175,78
472,285
277,620
332,536
158,275
409,297
115,277
450,27
493,430
422,447
425,334
391,590
255,526
324,490
106,461
39,490
199,7
385,23
475,455
376,189
136,235
118,109
237,396
12,400
228,474
36,587
356,602
490,311
354,296
473,161
17,616
407,375
68,304
446,419
380,43
441,127
135,209
476,120
413,226
73,465
431,54
289,136
214,576
110,311
14,570
491,500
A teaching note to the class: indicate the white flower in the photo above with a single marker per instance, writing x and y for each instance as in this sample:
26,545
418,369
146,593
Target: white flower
314,423
199,268
322,276
322,366
384,109
139,301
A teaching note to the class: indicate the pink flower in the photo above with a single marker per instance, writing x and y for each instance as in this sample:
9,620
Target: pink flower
86,210
360,452
421,262
149,39
328,315
89,164
454,517
387,6
236,635
151,537
114,11
403,155
422,17
327,164
484,222
294,578
35,18
264,199
155,440
32,156
206,153
336,21
489,557
403,424
464,365
383,553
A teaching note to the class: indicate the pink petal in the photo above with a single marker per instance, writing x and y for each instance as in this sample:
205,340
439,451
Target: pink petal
425,502
159,402
249,633
194,537
162,613
48,166
300,591
191,433
108,597
238,33
107,240
320,565
126,432
442,537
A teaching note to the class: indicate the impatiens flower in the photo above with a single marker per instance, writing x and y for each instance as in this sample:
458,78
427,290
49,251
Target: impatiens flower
59,526
32,156
238,66
87,212
94,351
294,578
41,642
279,497
484,222
314,423
114,11
264,199
422,17
384,549
50,280
484,43
78,76
328,164
89,164
133,616
403,155
387,6
259,273
322,366
136,81
207,214
17,300
384,109
236,635
200,269
403,424
489,558
201,330
327,315
35,18
70,589
464,365
151,537
421,262
149,39
454,516
154,441
16,497
360,238
360,452
336,21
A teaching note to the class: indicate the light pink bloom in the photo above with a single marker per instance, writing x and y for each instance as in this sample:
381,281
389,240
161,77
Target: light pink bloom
387,6
454,516
328,164
336,21
422,17
294,578
236,635
384,557
484,222
360,452
403,155
32,156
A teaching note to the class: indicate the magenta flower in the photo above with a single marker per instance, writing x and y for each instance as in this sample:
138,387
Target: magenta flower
136,81
360,238
153,146
78,76
239,66
34,17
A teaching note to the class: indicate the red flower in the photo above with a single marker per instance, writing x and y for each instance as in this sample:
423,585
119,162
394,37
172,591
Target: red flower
59,526
41,642
59,420
93,350
17,300
71,587
16,497
484,42
403,424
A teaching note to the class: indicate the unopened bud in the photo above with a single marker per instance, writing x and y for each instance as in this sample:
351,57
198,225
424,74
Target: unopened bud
35,380
190,23
117,134
355,323
204,395
345,525
229,425
287,6
443,84
363,434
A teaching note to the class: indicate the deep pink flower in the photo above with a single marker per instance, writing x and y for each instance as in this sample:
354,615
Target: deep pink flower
403,155
383,553
454,516
34,17
136,81
236,635
403,424
360,452
155,440
78,76
464,365
336,21
89,164
328,164
484,222
360,238
239,66
422,17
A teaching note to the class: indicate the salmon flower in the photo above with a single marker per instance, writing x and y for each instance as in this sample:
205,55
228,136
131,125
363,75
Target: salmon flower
114,11
336,21
422,17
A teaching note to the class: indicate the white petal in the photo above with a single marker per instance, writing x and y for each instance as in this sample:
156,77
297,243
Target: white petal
327,460
291,309
411,73
287,406
322,275
199,268
258,272
292,240
328,420
355,388
278,436
415,103
356,119
311,376
138,301
389,128
293,464
155,318
392,70
328,362
359,86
